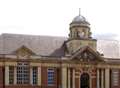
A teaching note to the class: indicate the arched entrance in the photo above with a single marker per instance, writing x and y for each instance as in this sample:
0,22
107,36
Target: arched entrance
85,80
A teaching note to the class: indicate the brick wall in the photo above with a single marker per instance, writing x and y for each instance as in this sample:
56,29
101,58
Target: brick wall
1,77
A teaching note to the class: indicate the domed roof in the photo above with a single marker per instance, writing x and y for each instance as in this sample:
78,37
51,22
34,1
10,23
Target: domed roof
80,19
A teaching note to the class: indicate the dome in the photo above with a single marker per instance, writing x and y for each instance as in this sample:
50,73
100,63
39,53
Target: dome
80,19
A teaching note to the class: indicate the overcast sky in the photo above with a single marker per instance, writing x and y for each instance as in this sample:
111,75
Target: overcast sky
52,17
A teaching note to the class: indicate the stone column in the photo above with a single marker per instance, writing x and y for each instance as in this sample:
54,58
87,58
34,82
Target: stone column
98,78
15,75
39,76
102,78
73,79
6,75
64,77
31,76
69,78
107,78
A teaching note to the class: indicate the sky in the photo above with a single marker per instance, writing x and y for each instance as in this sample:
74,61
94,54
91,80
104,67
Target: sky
52,17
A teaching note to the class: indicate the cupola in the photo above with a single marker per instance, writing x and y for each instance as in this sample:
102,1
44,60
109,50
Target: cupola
80,35
80,27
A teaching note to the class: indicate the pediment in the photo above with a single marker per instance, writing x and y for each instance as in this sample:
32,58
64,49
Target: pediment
23,52
86,54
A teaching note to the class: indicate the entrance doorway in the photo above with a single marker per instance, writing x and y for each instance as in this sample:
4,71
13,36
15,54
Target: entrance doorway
85,80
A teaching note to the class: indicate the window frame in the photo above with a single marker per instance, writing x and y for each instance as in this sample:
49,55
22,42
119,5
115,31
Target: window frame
50,76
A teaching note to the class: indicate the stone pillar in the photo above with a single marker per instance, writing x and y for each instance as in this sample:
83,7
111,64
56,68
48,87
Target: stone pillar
39,76
73,79
107,78
102,78
31,76
6,75
64,77
15,75
98,78
69,81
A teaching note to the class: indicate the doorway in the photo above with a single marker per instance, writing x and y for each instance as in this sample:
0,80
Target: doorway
85,81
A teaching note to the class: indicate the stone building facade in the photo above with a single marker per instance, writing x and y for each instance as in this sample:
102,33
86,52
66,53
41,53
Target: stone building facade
28,61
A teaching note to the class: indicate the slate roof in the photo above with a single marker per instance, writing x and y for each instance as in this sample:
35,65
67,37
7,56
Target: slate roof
50,46
40,45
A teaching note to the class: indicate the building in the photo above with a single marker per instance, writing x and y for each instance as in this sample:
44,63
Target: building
28,61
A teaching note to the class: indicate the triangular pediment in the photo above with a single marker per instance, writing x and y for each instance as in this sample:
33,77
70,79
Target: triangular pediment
86,54
23,52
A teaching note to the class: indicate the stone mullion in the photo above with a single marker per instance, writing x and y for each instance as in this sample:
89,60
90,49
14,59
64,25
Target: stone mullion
15,75
31,76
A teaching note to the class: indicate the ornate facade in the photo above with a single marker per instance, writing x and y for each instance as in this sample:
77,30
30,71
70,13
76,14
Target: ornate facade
28,61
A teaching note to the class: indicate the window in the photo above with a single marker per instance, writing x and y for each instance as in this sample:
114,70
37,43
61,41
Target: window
22,73
11,75
50,73
35,75
115,77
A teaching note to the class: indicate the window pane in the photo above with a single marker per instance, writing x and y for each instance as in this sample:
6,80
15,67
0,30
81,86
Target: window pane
35,75
11,74
23,73
50,74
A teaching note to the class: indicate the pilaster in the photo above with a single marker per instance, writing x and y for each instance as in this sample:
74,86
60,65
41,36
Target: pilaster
73,79
31,76
69,81
102,78
15,75
64,77
6,75
98,78
39,76
107,78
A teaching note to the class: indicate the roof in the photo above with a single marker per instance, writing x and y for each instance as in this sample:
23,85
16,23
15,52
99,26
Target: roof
40,45
50,46
80,19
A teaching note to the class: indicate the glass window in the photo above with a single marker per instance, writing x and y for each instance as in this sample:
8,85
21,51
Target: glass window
50,74
115,77
11,75
22,73
35,75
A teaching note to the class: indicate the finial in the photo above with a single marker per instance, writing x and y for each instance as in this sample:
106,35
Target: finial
79,11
